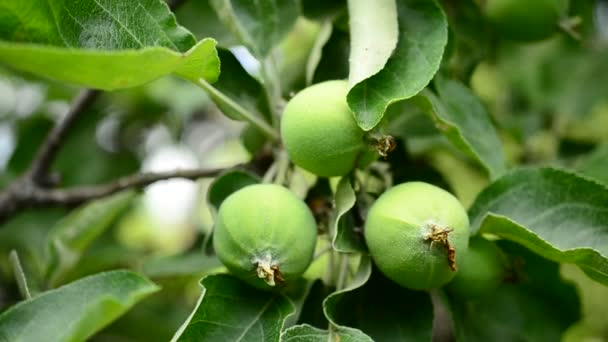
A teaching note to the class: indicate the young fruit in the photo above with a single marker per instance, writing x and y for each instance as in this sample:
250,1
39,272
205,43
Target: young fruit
265,235
416,234
319,131
481,270
525,20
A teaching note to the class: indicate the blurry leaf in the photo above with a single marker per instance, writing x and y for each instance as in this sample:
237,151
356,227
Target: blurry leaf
26,233
82,161
73,234
422,39
307,333
192,263
200,19
293,54
470,38
241,87
595,165
76,311
333,64
517,311
322,9
382,309
465,180
259,25
253,140
317,50
230,310
345,238
560,216
227,183
373,36
461,117
99,44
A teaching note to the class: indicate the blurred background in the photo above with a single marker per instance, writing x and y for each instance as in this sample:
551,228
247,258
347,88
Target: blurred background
548,99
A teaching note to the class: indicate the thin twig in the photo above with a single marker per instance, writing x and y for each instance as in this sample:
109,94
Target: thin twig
39,169
23,195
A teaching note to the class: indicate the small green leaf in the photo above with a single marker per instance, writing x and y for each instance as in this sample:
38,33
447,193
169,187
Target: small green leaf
373,36
422,38
76,311
331,304
517,311
382,309
72,235
345,238
259,25
559,215
101,44
227,183
307,333
230,310
241,87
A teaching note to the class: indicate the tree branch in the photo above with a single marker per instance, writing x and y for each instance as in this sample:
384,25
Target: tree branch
35,187
39,169
23,195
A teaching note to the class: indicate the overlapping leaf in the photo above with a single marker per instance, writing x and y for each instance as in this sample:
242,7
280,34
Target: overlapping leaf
102,44
517,311
73,234
75,311
259,25
559,215
415,60
230,310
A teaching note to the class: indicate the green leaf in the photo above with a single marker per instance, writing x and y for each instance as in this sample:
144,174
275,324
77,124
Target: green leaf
259,25
110,70
345,238
422,39
227,183
469,125
595,165
308,333
241,87
373,36
559,215
101,44
76,311
332,304
463,120
230,310
93,24
382,309
73,234
517,311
